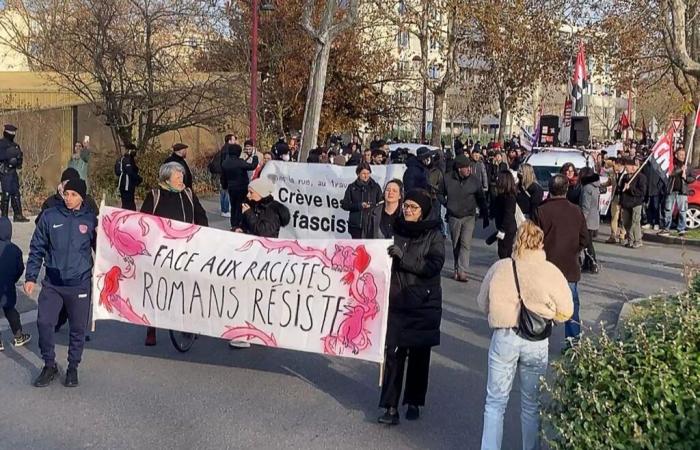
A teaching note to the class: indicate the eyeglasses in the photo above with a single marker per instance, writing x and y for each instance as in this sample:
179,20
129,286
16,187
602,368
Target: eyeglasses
411,207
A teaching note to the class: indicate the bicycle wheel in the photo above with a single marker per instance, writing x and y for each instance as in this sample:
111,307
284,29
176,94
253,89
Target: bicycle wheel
182,341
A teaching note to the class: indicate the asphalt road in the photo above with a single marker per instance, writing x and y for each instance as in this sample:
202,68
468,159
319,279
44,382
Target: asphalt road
133,396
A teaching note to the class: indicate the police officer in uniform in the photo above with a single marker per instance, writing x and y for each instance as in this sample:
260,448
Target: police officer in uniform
10,161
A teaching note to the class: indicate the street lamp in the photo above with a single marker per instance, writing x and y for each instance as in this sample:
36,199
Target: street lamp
265,5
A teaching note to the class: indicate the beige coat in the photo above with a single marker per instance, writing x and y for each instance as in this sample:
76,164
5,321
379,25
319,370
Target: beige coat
543,287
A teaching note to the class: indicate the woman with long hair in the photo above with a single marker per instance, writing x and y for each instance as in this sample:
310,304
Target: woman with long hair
543,290
590,197
504,214
530,193
381,220
574,192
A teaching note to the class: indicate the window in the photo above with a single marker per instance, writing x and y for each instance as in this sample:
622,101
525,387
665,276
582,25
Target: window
402,7
434,72
403,39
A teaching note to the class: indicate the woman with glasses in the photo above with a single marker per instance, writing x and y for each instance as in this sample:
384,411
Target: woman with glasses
415,307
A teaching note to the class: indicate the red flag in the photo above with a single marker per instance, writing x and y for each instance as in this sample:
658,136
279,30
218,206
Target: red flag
624,122
579,81
661,157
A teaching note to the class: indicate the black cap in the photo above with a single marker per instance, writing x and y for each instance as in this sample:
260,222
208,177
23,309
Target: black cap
461,161
10,129
76,185
70,174
179,146
424,152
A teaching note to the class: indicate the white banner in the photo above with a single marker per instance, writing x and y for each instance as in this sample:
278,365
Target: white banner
313,193
321,296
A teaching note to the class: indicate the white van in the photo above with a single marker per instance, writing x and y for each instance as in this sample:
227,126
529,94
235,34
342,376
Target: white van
547,162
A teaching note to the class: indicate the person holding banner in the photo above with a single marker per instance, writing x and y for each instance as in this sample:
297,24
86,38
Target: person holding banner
415,307
173,200
63,242
380,224
360,196
632,200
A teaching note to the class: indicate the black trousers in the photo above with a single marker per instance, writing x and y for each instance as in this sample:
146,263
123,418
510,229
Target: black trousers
417,372
589,258
237,198
12,317
505,245
355,233
128,201
10,199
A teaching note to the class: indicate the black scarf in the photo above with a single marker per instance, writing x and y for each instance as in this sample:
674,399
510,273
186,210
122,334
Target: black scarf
414,229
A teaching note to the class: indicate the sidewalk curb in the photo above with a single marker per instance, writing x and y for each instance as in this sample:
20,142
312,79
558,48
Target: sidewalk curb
654,237
626,312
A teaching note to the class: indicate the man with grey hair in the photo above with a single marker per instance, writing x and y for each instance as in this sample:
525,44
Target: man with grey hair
565,236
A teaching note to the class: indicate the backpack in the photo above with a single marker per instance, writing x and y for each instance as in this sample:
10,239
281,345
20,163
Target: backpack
156,200
118,167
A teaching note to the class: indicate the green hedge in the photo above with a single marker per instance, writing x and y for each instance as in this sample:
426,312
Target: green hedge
640,390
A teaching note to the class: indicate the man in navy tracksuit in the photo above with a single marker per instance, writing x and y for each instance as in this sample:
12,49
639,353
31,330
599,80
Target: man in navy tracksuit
63,242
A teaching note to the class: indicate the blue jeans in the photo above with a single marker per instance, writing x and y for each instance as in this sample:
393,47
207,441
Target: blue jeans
509,352
676,198
572,327
225,204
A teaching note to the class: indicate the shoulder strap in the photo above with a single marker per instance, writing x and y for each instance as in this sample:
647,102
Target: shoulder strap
156,199
517,282
188,193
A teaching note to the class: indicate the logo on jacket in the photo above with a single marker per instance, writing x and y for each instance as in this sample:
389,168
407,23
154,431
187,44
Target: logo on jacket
83,228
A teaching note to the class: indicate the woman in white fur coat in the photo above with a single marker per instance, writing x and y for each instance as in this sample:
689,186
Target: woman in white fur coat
544,291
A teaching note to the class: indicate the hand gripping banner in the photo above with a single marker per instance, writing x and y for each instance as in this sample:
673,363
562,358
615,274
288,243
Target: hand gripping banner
321,296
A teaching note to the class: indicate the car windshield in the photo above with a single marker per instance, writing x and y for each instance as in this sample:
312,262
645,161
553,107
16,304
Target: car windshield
544,173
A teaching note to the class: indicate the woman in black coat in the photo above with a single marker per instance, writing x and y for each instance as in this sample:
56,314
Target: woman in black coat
362,194
415,306
263,215
172,200
505,213
381,218
530,193
573,194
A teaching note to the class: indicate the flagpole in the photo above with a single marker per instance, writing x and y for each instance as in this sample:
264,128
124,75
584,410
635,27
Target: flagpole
692,136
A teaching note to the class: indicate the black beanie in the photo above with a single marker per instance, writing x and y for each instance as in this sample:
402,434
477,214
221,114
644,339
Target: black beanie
69,174
235,150
421,197
77,185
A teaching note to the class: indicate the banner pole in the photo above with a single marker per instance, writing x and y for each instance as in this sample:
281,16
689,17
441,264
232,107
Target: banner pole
381,373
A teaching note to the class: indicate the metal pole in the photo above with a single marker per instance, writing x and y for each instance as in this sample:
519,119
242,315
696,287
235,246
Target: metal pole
425,109
253,133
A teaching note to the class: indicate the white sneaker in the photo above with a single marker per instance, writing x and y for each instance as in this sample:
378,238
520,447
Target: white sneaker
646,227
228,214
656,228
239,344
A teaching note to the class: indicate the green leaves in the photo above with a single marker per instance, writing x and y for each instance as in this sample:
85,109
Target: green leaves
639,391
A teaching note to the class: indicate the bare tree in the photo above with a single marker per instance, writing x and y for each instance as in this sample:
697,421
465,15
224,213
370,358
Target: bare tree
323,34
133,60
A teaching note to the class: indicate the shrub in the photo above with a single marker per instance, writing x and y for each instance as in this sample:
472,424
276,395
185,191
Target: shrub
637,391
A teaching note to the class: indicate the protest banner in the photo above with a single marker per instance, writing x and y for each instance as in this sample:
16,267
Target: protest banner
313,193
321,296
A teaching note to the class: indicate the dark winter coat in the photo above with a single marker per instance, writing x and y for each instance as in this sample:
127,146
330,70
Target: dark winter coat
565,235
573,194
188,180
677,182
415,294
504,214
436,178
493,170
356,194
655,184
265,218
57,200
464,195
176,206
529,199
129,177
479,170
372,228
10,161
634,196
355,159
11,265
63,242
235,173
416,175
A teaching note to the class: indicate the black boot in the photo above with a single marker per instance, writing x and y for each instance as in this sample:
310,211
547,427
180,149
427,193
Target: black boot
390,417
413,412
47,375
17,209
71,377
4,205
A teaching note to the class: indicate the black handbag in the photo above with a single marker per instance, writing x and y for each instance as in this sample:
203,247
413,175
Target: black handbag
531,326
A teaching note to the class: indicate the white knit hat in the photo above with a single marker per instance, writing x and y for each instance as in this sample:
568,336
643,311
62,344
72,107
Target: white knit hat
263,186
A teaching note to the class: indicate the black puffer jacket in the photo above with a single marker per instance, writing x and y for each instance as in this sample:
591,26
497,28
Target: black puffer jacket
265,218
181,206
355,195
415,294
235,173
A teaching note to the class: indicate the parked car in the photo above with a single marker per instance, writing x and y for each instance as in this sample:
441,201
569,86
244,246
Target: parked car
692,216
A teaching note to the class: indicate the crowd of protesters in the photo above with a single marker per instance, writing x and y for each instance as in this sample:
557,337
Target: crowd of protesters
543,245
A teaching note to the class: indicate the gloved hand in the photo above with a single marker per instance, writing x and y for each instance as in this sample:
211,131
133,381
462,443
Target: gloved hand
395,251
